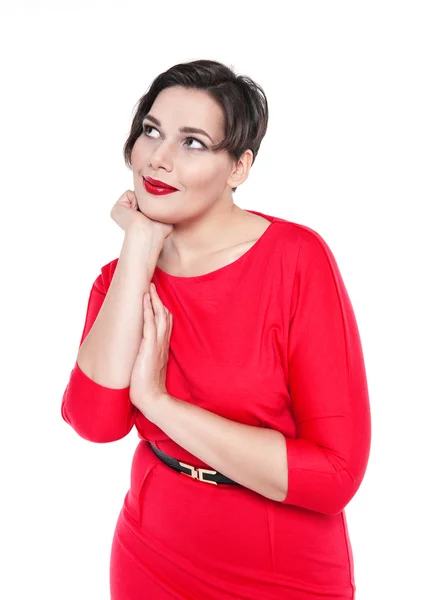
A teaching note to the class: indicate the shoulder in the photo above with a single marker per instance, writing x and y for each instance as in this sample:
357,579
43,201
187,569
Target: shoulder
301,241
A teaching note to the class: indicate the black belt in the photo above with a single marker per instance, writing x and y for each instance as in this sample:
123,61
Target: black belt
197,473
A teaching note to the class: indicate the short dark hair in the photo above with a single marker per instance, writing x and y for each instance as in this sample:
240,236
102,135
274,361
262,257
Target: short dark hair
243,102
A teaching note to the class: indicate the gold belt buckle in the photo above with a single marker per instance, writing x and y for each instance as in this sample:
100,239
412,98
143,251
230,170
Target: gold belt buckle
198,473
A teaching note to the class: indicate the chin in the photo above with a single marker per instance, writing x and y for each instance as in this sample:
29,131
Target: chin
157,214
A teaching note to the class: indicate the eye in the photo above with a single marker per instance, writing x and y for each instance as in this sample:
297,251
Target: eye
195,140
146,127
203,146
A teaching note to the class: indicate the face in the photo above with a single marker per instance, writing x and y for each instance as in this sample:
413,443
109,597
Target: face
183,160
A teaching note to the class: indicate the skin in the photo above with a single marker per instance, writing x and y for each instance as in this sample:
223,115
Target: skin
204,216
204,220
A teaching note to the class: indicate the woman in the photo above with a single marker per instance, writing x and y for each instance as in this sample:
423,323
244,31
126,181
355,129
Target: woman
242,369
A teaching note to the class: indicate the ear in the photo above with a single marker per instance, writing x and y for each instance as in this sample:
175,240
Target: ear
241,169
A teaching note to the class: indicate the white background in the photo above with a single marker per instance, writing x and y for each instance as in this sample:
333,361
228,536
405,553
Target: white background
344,155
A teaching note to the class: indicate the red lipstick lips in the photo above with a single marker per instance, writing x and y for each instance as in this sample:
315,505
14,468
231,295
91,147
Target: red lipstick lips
159,188
159,184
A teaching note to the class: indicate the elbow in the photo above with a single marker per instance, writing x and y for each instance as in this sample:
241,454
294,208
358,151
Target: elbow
337,504
323,481
101,431
98,414
338,495
326,493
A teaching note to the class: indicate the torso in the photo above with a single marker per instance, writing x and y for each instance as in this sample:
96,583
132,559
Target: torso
253,228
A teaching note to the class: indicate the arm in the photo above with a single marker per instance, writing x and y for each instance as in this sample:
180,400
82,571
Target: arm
96,401
323,467
109,349
251,456
327,385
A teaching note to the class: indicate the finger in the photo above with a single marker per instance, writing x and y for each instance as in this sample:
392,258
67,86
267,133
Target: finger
160,312
157,302
149,327
164,325
170,327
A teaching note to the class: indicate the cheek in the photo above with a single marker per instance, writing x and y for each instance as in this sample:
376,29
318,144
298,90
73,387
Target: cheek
202,175
138,149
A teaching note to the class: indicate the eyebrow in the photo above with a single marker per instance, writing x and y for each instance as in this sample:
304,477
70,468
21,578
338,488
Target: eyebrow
182,129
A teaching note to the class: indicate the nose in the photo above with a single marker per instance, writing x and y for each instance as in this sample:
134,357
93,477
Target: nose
162,157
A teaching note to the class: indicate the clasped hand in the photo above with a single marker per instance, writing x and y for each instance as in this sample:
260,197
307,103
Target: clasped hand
147,384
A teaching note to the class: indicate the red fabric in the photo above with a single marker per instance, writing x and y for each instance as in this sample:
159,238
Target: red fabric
269,340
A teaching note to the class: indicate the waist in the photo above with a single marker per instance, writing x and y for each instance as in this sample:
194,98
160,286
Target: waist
202,474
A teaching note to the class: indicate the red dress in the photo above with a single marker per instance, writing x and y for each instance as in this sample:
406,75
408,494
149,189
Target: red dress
270,340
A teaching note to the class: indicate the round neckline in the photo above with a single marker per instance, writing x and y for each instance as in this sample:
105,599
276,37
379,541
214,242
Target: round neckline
216,272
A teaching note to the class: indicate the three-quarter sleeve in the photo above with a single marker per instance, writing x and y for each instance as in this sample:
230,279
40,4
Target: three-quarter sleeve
97,413
327,385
